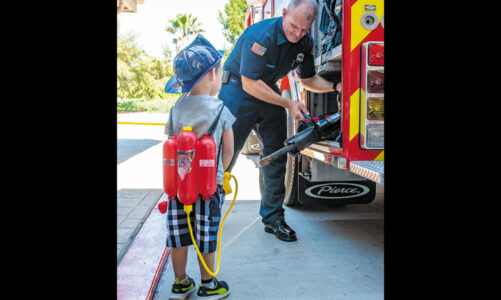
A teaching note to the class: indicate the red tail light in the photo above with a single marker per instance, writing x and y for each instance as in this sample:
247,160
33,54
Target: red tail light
376,54
375,81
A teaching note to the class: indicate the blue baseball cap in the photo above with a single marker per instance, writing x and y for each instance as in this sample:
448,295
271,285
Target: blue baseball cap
191,64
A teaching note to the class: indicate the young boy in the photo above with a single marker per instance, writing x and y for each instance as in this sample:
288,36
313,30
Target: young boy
197,71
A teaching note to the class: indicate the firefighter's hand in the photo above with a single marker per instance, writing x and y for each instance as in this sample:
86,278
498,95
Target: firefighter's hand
296,108
338,86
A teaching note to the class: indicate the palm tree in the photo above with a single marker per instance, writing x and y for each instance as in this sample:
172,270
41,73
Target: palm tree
182,28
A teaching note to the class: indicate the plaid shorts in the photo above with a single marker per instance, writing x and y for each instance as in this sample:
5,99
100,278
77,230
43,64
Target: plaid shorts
204,217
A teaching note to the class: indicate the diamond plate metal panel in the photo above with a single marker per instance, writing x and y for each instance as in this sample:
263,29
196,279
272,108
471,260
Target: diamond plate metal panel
372,170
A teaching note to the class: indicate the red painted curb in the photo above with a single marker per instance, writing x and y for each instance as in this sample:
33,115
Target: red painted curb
158,273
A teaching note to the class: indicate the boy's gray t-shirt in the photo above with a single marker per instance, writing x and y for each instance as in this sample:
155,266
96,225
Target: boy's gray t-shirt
198,112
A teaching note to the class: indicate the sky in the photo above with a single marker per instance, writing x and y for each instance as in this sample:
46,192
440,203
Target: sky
151,19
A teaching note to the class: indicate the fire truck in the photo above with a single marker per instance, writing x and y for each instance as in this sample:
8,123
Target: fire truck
348,47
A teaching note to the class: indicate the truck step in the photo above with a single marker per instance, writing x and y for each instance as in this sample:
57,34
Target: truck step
372,170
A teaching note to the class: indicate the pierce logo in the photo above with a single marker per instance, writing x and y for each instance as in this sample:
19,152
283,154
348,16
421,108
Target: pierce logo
333,190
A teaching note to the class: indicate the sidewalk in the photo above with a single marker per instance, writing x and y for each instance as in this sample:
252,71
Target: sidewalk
138,167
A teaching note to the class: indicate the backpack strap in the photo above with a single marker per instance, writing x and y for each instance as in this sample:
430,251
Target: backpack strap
214,123
211,132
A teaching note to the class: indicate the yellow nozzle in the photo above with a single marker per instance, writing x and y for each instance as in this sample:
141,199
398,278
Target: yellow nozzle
187,129
226,183
188,208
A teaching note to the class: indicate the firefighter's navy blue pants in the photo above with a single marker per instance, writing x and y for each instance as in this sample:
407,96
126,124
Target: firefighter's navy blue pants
269,123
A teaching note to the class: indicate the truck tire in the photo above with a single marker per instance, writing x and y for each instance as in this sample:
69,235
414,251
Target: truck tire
291,170
291,173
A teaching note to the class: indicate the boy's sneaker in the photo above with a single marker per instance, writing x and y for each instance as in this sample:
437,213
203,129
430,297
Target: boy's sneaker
181,291
219,291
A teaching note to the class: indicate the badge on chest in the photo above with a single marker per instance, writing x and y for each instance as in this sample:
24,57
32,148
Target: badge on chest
299,58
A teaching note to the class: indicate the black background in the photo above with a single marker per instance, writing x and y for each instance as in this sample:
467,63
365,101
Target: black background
60,148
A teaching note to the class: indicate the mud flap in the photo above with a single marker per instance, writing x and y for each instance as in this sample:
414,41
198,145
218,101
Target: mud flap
335,192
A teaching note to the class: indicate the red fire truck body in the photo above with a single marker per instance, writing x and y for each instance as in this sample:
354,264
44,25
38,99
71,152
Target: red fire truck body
346,169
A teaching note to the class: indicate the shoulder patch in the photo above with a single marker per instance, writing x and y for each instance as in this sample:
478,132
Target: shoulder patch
258,49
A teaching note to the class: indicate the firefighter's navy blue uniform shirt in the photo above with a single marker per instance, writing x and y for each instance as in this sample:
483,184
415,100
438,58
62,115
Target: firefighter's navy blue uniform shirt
263,52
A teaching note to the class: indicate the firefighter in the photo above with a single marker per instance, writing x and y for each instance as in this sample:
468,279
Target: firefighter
265,53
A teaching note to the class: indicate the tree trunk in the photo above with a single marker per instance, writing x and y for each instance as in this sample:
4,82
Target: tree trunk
120,7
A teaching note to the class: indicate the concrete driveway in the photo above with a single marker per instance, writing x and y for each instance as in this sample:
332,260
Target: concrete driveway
339,253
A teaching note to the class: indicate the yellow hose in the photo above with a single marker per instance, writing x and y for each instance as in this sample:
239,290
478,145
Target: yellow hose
188,209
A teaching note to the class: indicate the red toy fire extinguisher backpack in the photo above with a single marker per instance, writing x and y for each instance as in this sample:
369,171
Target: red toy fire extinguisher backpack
190,165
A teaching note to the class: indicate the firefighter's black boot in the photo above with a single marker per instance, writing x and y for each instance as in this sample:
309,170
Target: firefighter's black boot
281,230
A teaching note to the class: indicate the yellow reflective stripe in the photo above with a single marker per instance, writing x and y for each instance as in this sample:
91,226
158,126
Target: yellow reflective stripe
380,156
363,112
354,113
139,123
358,33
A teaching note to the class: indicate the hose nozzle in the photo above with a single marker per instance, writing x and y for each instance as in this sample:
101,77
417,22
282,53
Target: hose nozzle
266,160
306,137
226,183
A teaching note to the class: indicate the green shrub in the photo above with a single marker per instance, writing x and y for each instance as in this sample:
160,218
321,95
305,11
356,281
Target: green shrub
144,105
